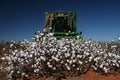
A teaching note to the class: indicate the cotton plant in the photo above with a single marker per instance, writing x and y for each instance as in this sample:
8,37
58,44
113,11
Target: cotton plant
47,56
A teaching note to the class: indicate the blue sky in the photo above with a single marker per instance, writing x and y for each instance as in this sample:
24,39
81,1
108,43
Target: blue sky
97,19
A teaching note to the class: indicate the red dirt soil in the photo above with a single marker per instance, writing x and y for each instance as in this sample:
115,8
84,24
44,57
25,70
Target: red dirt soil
90,75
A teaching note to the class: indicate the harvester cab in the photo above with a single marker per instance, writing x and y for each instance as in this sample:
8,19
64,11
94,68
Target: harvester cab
62,24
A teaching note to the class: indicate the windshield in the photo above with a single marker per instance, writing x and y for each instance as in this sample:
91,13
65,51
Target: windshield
61,24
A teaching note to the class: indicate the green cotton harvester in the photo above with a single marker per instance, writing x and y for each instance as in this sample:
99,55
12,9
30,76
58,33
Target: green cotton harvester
62,24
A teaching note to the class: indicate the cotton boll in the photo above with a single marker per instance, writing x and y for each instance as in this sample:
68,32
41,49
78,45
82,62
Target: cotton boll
109,54
78,37
107,64
37,63
26,61
94,67
68,68
22,63
73,55
80,62
39,59
32,66
78,68
90,58
9,76
118,56
73,52
18,72
73,65
101,66
50,27
26,75
31,55
5,54
79,56
9,68
66,39
98,51
65,48
43,52
8,58
22,60
41,34
1,67
66,64
57,59
53,57
12,71
51,34
48,63
4,49
54,68
113,46
70,61
26,53
21,52
87,53
114,61
77,46
61,57
44,30
95,59
3,58
23,74
73,44
9,62
11,45
67,60
117,64
32,52
13,53
50,66
35,71
61,62
73,60
35,53
86,61
105,70
67,55
19,59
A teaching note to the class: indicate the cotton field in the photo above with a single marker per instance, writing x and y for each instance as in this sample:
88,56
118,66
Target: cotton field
46,56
